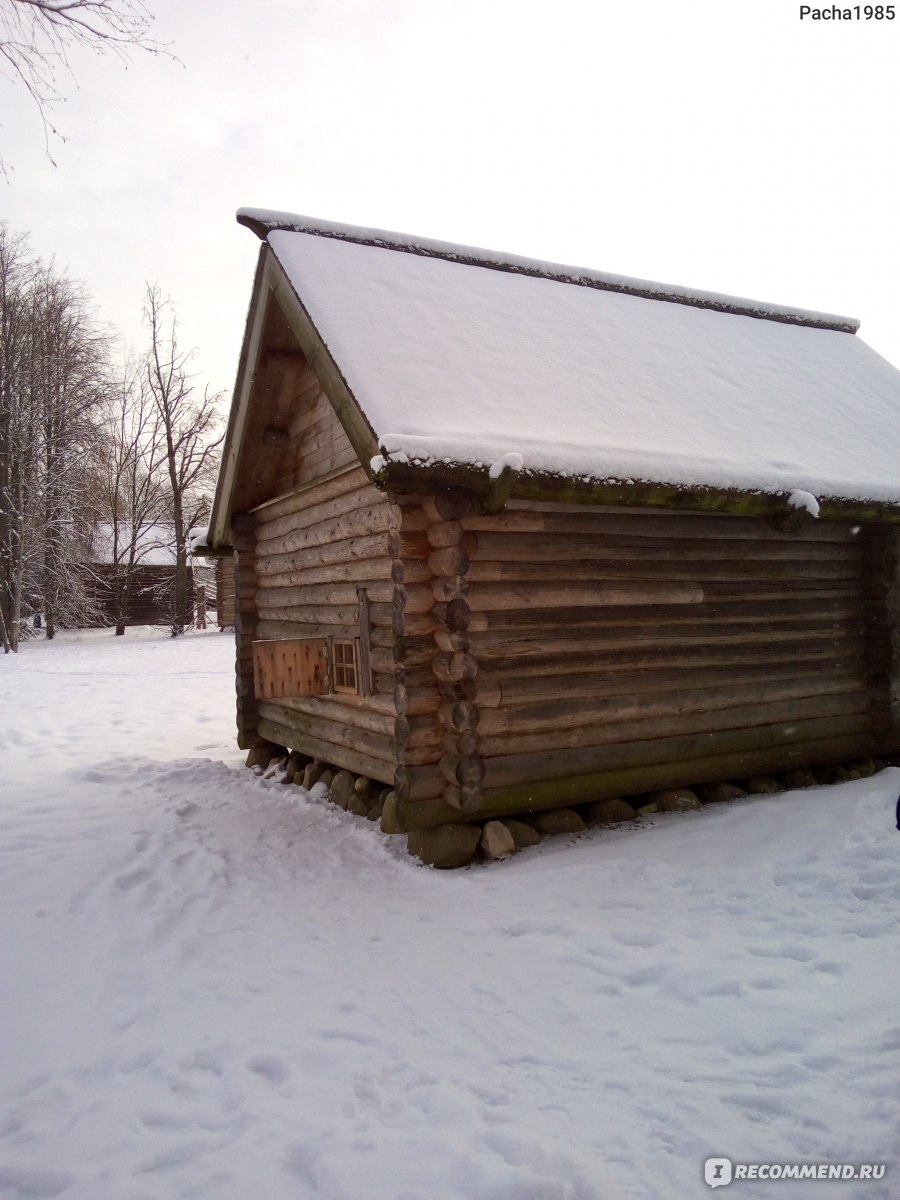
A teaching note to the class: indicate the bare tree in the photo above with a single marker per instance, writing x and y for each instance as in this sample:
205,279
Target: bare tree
69,358
133,460
52,375
17,444
133,482
36,37
189,423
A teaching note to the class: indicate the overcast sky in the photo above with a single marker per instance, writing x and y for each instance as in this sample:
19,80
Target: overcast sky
718,145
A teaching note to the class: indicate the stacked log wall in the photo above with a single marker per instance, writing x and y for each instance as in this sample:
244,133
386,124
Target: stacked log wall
318,441
315,549
618,652
417,698
463,695
881,585
151,593
243,540
225,593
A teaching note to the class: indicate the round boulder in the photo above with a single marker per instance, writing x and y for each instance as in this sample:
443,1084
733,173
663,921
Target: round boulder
445,847
313,773
719,793
831,773
799,777
608,812
555,820
761,785
390,822
674,800
523,835
343,789
497,841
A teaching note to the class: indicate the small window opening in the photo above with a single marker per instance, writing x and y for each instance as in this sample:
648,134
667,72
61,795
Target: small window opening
345,669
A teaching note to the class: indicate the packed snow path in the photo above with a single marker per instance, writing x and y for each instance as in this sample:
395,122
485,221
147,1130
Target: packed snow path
215,986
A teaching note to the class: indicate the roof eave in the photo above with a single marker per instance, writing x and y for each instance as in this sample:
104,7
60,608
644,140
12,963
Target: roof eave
492,494
262,223
220,517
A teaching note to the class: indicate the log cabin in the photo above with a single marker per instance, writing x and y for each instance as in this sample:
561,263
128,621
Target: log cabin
510,535
148,587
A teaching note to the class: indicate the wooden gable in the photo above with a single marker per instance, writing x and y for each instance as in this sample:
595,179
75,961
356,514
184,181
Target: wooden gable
293,417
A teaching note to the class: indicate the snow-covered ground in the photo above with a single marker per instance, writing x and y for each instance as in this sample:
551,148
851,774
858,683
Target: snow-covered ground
216,986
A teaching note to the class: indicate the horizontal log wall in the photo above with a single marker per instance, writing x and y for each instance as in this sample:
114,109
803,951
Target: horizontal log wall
314,549
304,542
631,651
881,584
151,594
243,539
225,593
318,443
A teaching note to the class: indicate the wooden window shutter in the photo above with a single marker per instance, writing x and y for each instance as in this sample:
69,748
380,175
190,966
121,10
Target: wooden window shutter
290,667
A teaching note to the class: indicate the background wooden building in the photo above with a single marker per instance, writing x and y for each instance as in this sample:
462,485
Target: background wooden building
511,536
151,581
150,595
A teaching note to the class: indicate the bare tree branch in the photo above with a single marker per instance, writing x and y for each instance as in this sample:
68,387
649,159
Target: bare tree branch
189,422
36,37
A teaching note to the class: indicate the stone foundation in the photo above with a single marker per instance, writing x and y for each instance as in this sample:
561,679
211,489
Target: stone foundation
448,846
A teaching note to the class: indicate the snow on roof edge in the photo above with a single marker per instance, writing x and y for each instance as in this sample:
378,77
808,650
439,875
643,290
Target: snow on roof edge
264,221
414,453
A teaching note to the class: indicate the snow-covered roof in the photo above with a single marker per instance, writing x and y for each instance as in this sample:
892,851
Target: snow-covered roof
461,356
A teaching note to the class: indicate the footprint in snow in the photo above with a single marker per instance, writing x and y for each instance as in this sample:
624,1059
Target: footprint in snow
820,1062
346,1035
725,987
270,1068
890,1041
829,968
215,1061
32,1183
546,928
139,1061
871,929
646,976
646,939
798,953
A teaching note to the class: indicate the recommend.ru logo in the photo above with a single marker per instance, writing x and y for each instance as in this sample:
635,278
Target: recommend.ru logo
719,1171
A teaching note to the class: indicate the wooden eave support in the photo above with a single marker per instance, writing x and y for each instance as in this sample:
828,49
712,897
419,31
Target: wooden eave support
491,495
